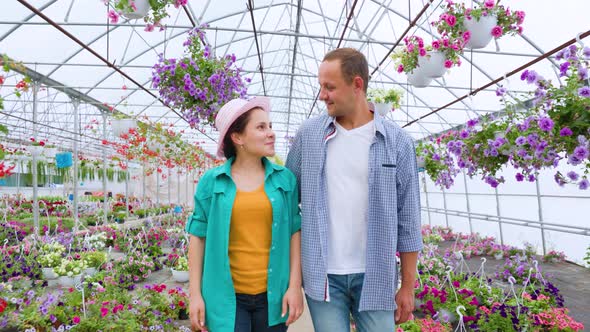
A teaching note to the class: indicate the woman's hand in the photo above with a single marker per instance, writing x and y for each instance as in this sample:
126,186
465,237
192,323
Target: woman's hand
197,312
293,301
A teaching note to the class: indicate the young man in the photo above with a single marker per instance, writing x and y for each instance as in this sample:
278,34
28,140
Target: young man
360,204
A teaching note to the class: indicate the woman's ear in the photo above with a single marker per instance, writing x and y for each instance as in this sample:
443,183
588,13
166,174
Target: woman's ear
237,139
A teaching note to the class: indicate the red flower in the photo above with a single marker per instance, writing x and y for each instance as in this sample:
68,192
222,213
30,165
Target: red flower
3,305
181,304
1,79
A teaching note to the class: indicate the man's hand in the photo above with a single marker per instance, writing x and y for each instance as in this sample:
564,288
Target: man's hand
197,313
405,304
293,301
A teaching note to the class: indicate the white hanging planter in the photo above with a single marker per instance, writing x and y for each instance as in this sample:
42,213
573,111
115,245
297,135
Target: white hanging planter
142,9
122,126
420,162
383,108
433,64
481,31
418,79
179,276
90,271
35,150
66,281
50,152
48,274
498,256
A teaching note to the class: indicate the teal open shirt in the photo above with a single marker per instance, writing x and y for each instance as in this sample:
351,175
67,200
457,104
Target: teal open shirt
214,200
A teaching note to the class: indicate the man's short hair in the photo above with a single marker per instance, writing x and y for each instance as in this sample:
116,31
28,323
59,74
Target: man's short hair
352,63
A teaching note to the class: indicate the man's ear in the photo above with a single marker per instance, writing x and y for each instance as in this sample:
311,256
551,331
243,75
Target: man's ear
358,84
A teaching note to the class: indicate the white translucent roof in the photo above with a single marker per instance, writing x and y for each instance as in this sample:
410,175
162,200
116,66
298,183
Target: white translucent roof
293,37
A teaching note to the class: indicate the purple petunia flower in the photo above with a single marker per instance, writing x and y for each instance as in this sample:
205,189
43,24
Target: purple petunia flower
545,123
573,176
565,131
563,68
583,185
584,91
582,73
531,178
581,152
524,75
586,52
532,77
501,91
520,140
519,177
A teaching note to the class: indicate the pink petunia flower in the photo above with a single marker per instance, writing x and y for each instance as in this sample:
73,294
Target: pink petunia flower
448,63
113,16
451,20
436,44
422,52
497,31
489,4
400,68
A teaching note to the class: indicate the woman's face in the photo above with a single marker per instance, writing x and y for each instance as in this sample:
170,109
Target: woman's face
258,138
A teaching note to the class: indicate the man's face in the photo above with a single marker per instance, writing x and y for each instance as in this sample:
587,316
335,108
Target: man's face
338,94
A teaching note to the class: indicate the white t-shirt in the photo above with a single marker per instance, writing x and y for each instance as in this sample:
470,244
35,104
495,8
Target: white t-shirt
347,174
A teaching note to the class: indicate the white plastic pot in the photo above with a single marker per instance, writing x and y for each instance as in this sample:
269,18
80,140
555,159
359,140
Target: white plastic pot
66,281
122,126
382,108
142,8
481,31
48,274
179,276
418,78
433,64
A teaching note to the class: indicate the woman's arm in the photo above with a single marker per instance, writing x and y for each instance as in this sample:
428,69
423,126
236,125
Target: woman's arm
196,250
293,299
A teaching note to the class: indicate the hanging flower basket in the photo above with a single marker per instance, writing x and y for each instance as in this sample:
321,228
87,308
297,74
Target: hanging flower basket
383,108
66,281
63,160
50,152
384,100
48,273
199,83
480,30
179,276
433,64
418,78
122,126
140,10
35,150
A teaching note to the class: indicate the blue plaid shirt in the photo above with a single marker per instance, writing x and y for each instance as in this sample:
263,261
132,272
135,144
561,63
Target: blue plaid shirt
393,214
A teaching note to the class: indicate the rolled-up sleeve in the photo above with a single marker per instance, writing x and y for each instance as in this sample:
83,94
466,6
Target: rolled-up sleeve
197,221
408,199
295,211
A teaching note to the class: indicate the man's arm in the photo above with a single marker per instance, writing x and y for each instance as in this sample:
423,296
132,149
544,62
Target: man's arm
409,227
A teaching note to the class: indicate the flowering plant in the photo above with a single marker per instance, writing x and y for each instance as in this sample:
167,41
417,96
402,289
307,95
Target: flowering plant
424,324
386,96
199,83
554,256
181,264
52,259
154,17
70,267
407,59
451,21
452,48
94,258
557,121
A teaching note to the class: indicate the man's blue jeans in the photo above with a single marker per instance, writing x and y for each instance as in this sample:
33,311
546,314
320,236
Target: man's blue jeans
252,314
345,295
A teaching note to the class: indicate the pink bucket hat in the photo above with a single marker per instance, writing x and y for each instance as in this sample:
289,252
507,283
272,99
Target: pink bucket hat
232,110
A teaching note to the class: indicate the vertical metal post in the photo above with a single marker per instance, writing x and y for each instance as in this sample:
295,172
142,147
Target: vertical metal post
541,216
467,201
34,161
143,187
76,104
126,187
169,186
445,206
426,197
178,186
157,188
105,205
499,216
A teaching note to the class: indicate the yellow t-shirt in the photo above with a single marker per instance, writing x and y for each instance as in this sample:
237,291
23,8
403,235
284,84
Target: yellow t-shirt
249,241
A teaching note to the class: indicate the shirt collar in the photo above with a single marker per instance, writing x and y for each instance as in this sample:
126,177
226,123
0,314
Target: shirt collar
269,167
378,120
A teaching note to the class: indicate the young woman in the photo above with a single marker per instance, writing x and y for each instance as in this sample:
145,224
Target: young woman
244,251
